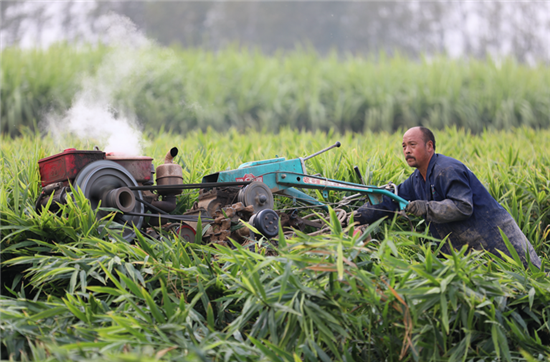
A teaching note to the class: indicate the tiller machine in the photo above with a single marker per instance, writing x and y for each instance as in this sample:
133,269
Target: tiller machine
115,181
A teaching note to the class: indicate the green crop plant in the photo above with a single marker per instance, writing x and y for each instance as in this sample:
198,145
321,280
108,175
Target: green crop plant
35,81
186,89
73,289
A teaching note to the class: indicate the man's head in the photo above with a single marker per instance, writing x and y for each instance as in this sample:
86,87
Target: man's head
418,147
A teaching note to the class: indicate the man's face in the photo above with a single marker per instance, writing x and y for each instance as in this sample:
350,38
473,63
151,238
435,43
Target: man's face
417,152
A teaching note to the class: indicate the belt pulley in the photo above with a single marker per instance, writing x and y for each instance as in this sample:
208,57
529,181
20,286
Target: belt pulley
257,194
107,183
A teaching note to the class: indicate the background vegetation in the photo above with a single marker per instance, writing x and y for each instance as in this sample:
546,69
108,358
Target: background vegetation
73,292
184,90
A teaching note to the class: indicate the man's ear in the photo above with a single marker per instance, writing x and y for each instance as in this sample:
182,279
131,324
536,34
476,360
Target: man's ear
430,145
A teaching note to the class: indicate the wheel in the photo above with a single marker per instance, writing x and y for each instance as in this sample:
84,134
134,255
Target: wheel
107,182
258,194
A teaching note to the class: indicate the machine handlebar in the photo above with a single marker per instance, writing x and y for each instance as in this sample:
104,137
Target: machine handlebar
337,144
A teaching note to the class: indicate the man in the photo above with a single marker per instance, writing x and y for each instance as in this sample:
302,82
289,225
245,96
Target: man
452,200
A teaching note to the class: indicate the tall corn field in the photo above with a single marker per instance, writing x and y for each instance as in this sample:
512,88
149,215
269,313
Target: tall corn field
72,290
183,90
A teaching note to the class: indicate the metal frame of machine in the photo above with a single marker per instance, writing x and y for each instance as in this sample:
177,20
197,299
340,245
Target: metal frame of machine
225,198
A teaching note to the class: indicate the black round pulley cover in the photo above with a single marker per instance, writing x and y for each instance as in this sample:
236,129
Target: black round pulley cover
267,222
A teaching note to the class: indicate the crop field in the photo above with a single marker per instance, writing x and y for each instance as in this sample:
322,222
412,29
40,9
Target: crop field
74,291
185,89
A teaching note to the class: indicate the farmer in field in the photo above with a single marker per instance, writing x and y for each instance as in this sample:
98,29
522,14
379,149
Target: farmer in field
453,201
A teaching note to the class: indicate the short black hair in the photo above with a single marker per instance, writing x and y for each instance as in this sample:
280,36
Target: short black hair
428,135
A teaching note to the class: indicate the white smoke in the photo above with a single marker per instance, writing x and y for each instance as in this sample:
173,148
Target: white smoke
93,116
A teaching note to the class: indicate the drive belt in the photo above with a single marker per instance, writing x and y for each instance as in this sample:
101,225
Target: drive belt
190,218
203,185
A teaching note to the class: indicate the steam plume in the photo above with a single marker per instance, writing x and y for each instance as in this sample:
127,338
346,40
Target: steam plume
92,116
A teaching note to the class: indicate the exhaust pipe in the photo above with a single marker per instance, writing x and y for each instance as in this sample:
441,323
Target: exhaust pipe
169,158
169,173
168,203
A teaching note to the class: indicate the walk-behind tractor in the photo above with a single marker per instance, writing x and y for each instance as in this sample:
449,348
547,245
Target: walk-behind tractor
125,185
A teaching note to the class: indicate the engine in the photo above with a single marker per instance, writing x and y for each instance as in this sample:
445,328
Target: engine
125,183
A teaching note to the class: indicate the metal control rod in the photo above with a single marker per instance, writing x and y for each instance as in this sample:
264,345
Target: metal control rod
337,144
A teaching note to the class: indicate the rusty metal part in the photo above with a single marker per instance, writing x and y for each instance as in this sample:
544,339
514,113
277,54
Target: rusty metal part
257,194
148,196
51,187
293,221
169,158
64,166
152,233
290,222
152,177
211,201
167,204
287,222
242,232
138,166
59,197
169,174
227,223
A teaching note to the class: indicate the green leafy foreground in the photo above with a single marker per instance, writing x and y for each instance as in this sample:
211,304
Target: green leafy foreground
74,290
332,297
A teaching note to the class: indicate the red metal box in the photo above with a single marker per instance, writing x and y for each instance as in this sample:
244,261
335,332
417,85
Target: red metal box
138,166
65,165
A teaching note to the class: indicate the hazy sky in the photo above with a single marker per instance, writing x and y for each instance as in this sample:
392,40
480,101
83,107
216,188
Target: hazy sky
464,27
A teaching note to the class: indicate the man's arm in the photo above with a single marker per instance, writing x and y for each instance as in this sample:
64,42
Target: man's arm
457,203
